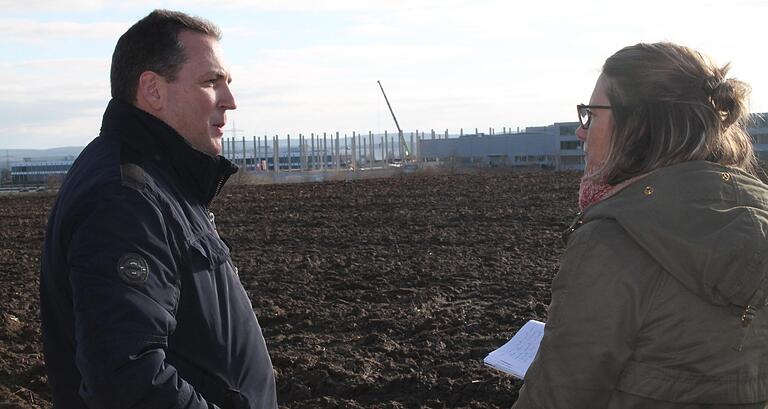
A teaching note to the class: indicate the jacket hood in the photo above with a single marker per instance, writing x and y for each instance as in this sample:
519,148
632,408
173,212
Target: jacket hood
704,223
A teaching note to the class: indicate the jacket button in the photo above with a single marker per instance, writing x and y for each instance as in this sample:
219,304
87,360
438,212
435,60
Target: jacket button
648,191
725,176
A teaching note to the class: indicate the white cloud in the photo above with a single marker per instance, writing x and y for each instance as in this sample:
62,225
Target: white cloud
32,31
53,102
243,31
301,5
444,64
481,63
40,6
61,80
50,125
305,89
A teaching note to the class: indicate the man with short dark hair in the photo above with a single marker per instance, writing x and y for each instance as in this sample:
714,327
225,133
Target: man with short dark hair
141,305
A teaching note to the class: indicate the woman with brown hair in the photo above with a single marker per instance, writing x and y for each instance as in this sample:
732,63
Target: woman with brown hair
659,301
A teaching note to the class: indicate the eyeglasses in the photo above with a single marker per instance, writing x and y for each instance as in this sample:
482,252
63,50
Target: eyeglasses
585,113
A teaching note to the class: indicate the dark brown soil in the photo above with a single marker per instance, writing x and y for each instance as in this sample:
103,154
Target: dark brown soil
382,293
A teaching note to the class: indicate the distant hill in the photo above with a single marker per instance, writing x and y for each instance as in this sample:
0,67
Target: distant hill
9,156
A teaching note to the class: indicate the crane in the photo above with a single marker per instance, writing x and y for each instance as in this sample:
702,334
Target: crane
399,131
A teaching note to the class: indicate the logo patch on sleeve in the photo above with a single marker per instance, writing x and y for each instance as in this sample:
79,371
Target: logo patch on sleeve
133,268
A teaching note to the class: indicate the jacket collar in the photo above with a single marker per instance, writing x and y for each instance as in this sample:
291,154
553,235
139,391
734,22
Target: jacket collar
196,172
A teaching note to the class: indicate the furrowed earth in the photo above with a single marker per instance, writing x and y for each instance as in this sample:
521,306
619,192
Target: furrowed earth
382,293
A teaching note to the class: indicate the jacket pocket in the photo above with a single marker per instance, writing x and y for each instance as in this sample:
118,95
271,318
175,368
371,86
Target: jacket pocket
214,273
211,387
208,251
675,385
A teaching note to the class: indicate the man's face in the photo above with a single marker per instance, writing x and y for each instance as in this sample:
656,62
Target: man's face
195,104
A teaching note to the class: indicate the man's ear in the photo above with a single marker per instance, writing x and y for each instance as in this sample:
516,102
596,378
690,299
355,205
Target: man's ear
151,91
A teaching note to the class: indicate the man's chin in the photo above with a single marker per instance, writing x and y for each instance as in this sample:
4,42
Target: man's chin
215,148
212,151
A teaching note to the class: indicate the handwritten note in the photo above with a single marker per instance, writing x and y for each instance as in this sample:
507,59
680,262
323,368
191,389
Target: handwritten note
516,355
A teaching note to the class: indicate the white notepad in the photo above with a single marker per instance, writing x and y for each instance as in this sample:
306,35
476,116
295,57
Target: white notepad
516,355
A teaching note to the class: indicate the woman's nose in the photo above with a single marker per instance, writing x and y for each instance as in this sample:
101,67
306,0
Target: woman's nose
581,133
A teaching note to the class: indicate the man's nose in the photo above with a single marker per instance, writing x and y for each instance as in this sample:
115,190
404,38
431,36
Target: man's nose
226,98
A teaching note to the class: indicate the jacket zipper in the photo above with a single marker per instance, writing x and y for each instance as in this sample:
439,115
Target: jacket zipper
575,224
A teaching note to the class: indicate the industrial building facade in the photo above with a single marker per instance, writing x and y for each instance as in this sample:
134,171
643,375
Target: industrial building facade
553,147
550,147
38,172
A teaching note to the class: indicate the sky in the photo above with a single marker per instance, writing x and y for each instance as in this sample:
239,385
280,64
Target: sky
303,66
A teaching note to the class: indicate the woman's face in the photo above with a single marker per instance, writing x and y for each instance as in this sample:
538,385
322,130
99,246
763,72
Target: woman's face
598,137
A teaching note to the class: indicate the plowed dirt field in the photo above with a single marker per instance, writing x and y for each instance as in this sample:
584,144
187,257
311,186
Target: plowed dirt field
384,293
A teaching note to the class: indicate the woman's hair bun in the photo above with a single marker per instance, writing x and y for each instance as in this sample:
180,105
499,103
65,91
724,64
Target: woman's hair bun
729,97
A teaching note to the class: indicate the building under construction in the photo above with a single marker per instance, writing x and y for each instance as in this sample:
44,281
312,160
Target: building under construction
551,147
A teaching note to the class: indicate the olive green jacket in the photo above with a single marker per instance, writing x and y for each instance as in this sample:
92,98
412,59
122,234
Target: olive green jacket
659,299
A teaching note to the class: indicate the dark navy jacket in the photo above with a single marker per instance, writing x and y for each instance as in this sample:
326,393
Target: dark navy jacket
141,305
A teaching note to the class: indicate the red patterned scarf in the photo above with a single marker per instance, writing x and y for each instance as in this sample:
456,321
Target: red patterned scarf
591,191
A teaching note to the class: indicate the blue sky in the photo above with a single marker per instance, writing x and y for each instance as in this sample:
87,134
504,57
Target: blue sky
303,66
